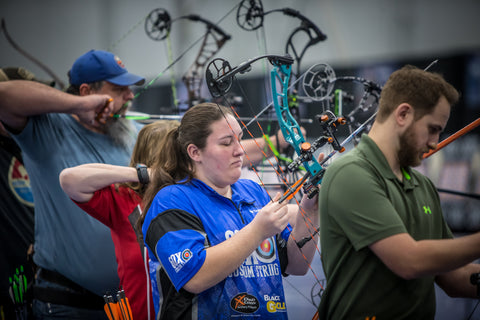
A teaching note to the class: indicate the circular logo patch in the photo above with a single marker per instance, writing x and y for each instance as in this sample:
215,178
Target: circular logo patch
20,183
186,255
266,250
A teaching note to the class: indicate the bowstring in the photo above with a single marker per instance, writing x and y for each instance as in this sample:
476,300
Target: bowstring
227,102
306,219
168,48
259,147
262,48
281,160
283,178
124,36
245,127
308,222
286,183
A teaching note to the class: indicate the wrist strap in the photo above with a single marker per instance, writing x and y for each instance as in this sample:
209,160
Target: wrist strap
142,173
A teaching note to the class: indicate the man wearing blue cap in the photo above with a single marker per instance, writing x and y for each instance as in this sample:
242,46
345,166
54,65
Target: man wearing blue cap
55,130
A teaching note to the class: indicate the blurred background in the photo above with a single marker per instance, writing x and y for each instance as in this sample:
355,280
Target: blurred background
172,43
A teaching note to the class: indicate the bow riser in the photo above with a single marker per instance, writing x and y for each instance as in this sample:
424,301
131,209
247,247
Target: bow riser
290,128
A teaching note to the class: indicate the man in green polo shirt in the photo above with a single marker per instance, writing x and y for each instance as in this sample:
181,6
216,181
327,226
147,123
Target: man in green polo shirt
383,238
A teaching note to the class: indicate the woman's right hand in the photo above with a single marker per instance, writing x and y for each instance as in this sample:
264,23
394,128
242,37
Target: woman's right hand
272,219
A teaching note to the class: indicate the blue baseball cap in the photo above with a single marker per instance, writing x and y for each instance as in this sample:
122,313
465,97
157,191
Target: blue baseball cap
99,65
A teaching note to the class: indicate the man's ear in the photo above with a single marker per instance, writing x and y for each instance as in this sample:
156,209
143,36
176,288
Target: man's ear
404,114
84,89
193,152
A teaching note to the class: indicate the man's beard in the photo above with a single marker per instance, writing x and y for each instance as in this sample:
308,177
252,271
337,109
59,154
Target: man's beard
122,131
408,154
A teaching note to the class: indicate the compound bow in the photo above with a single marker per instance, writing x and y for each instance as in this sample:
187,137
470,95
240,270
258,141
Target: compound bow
157,26
250,17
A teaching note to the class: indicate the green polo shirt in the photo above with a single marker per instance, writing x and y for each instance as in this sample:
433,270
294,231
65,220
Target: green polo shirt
362,201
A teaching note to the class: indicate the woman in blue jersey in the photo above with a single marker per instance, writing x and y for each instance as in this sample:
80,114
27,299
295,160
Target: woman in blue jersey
218,244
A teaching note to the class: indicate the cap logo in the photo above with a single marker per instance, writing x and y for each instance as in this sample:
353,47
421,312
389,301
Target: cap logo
119,62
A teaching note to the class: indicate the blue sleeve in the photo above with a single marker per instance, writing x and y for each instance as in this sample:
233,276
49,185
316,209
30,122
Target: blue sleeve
175,236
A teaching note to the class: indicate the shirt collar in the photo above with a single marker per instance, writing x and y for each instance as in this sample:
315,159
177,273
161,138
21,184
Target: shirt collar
375,156
237,196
